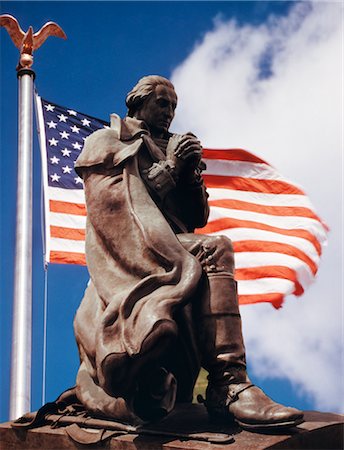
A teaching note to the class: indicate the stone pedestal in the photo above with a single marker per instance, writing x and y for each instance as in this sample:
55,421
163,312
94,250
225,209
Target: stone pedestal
319,431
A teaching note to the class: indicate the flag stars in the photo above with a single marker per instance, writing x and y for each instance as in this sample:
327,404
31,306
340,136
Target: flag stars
53,142
49,107
76,146
85,122
78,180
55,177
66,152
71,112
54,160
66,169
75,129
52,124
64,135
62,118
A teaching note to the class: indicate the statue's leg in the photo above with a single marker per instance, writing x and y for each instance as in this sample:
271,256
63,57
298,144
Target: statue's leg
230,393
151,390
98,403
183,357
153,398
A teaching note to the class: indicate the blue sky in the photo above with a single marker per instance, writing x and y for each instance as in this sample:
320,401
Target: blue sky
110,46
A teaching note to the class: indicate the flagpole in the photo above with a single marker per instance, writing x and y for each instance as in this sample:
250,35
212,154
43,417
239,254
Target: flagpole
20,398
20,390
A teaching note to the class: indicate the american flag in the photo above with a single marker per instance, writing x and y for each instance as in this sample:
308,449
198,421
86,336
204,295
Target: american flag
62,133
276,234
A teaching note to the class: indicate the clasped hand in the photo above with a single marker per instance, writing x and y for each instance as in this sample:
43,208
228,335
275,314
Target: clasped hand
187,153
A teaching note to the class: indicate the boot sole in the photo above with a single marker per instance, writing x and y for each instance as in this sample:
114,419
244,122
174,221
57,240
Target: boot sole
269,426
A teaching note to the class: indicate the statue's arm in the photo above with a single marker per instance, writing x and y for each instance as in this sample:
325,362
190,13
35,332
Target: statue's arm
193,197
186,152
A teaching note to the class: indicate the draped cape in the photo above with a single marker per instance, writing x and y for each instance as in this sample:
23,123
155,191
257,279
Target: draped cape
139,271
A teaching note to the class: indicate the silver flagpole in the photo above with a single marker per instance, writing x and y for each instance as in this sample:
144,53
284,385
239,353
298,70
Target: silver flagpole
20,391
20,400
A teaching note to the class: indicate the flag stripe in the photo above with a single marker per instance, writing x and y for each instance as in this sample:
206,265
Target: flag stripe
67,208
59,257
227,223
276,299
267,285
67,220
44,164
259,259
274,210
276,234
251,184
260,198
284,222
63,195
236,154
67,233
260,246
70,245
244,234
255,273
243,169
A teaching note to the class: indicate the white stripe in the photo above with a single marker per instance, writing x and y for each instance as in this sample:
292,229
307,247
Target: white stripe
67,245
43,151
266,286
67,220
244,234
245,260
258,171
261,198
285,222
66,195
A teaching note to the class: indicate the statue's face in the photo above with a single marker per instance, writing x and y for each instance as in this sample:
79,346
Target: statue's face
158,109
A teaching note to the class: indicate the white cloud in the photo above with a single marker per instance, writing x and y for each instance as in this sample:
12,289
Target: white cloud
293,119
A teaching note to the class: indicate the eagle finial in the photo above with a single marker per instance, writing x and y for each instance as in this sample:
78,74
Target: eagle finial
29,41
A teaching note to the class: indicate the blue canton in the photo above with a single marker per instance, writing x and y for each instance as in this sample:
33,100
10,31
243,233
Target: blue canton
65,132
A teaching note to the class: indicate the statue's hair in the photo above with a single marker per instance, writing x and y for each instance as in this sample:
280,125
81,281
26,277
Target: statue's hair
142,90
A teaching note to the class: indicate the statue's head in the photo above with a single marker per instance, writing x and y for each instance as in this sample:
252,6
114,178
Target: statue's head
154,101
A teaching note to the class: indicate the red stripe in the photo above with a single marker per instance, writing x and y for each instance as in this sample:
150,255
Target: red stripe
251,185
275,247
76,234
235,154
255,273
298,211
275,298
67,258
67,208
228,223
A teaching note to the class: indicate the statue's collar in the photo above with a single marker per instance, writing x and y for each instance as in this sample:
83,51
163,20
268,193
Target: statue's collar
132,128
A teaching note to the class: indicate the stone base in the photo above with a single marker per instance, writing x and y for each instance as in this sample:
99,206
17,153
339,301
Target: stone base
319,431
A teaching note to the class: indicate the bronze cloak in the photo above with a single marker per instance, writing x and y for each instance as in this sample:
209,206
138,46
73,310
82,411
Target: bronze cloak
139,275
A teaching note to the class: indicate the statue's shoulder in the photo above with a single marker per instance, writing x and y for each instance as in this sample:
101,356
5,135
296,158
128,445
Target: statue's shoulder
104,136
99,148
104,147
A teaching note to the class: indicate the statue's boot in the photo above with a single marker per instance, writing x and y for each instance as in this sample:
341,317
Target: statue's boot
230,393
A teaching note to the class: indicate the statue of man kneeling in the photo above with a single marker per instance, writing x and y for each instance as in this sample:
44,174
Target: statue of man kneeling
162,301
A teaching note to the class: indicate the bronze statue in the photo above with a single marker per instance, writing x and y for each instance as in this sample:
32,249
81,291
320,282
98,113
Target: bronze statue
162,301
